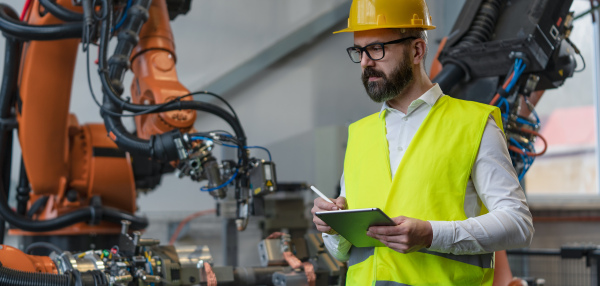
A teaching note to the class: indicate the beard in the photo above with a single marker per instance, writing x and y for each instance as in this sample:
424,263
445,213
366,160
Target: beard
388,88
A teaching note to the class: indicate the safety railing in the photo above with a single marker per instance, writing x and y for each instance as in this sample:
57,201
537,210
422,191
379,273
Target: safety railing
569,265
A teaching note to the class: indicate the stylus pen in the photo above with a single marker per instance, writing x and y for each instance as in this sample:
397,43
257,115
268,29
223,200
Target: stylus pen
320,194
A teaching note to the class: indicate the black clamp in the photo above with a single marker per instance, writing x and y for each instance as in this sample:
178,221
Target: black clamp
8,123
502,92
519,55
95,210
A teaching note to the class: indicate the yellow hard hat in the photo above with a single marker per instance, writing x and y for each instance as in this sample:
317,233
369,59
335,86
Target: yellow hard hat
382,14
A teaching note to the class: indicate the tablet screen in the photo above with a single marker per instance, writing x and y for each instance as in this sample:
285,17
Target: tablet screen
353,224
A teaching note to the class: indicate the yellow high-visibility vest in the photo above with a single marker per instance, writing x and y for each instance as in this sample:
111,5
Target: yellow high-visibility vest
429,184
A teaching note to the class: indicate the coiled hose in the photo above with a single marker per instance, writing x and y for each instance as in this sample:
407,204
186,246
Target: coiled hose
11,277
483,26
480,31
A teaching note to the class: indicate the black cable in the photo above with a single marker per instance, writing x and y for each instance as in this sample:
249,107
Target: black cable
582,60
577,51
61,12
224,101
8,92
153,109
112,75
43,244
594,8
12,277
10,25
80,215
102,14
207,133
35,207
23,190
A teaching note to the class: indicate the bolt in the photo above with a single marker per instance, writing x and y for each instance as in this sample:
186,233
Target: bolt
125,226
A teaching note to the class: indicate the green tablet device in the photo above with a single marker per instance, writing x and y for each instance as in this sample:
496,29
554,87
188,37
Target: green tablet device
353,224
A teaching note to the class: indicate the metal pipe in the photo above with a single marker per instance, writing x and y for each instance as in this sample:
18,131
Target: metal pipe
596,91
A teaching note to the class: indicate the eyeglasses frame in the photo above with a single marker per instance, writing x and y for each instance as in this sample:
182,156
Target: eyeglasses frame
364,49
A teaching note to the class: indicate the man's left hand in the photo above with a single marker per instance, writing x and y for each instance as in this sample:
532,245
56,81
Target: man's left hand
408,235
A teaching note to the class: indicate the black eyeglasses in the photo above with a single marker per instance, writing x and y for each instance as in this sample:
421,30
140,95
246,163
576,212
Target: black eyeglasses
375,51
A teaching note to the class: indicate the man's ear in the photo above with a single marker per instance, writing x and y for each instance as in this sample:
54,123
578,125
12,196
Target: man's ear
419,48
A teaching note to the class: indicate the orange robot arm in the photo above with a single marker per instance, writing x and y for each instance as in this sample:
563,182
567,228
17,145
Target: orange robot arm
85,180
155,81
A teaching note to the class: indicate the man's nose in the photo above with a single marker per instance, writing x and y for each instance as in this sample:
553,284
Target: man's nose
365,61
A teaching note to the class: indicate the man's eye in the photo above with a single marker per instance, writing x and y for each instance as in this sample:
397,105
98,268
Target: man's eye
375,48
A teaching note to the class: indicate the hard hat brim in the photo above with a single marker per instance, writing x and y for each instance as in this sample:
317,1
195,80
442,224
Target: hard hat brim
374,27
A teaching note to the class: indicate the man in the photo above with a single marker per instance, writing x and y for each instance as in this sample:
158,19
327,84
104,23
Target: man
435,164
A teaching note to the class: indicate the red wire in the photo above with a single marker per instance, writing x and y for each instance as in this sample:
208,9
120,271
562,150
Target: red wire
186,220
25,9
497,96
516,149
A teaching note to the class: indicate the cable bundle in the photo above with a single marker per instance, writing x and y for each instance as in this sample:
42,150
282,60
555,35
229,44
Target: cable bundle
520,131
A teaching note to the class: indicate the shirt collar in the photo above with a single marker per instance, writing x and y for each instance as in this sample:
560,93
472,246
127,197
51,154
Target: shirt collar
430,97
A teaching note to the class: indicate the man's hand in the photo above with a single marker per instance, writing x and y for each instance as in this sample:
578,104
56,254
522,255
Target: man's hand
408,235
320,206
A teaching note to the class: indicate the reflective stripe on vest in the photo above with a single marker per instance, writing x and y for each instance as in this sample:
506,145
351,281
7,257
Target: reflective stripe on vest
360,254
486,260
389,283
429,184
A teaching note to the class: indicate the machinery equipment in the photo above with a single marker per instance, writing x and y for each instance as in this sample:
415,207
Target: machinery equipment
77,182
504,53
141,261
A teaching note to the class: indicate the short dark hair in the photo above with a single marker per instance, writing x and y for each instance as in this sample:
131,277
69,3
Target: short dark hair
417,33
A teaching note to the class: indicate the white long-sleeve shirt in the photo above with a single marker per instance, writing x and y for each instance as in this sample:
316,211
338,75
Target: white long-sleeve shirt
493,179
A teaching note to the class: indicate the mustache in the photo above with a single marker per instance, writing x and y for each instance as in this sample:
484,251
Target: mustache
369,72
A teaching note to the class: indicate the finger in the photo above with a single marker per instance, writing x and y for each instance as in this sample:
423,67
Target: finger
402,239
399,247
317,221
316,209
387,230
340,202
391,242
323,228
324,206
399,220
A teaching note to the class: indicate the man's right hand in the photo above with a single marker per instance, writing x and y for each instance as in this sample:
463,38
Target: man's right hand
320,206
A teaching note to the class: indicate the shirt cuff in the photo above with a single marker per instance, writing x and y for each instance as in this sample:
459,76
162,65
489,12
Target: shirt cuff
443,236
337,246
